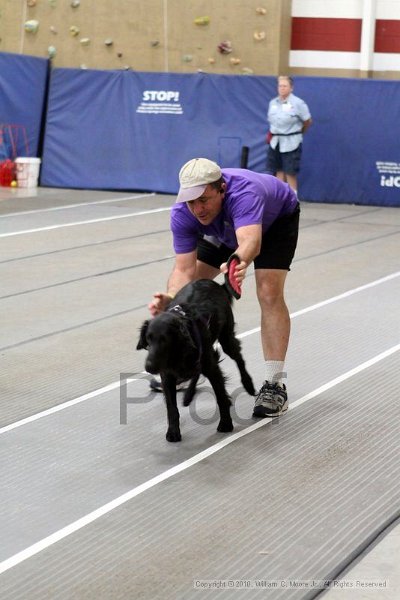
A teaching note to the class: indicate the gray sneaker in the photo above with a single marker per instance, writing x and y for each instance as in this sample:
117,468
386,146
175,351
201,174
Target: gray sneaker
271,401
156,385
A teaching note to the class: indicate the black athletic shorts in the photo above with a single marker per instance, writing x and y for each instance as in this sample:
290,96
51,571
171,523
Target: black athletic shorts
287,162
277,248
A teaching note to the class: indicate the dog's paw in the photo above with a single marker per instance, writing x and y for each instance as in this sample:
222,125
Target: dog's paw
249,385
225,426
187,398
173,435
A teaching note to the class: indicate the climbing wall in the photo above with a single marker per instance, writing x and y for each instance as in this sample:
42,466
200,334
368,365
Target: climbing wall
11,22
216,36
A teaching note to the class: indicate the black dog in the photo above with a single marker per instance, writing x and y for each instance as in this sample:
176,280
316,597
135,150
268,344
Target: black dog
180,344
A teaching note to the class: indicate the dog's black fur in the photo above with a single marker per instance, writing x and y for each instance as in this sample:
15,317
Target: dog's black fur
180,347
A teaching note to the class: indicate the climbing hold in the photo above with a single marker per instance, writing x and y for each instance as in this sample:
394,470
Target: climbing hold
261,11
83,66
52,3
202,21
85,41
225,47
31,26
211,60
31,3
53,29
108,42
259,35
235,61
154,43
51,51
75,3
247,71
119,54
74,30
187,57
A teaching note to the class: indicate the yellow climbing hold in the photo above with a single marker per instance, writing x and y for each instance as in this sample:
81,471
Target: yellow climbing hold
259,36
202,21
31,26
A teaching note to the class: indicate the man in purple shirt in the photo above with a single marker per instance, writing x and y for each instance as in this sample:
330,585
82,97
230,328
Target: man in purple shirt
223,211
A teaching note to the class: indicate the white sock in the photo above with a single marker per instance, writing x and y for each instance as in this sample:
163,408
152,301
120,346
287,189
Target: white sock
274,371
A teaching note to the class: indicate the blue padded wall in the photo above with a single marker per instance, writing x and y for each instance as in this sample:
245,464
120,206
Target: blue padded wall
130,130
23,82
121,129
352,151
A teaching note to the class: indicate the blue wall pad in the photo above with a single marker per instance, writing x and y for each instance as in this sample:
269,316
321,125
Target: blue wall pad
352,151
120,129
129,130
23,82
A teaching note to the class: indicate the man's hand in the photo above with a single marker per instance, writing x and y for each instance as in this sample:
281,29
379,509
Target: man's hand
159,303
240,270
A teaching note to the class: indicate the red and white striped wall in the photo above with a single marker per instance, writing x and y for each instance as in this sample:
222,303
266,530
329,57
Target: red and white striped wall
346,34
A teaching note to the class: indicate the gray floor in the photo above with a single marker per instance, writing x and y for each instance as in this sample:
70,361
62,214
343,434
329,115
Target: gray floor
96,504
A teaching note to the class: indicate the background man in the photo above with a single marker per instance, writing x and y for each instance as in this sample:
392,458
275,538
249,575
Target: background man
289,117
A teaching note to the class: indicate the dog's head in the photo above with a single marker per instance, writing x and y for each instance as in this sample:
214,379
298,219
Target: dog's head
170,345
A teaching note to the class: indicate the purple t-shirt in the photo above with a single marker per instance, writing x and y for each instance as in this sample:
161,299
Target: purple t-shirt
250,199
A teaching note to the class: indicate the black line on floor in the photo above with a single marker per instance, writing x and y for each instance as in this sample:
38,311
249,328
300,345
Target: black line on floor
347,564
68,329
315,223
379,237
122,239
113,271
102,274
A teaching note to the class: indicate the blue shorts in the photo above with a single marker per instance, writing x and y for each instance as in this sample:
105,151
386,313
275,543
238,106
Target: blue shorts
288,162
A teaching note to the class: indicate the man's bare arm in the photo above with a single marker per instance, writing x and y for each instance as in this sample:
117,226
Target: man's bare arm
183,272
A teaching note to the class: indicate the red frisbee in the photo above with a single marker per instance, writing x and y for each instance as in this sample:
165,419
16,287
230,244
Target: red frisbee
231,282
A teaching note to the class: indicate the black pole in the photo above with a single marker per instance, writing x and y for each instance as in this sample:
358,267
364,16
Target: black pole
245,157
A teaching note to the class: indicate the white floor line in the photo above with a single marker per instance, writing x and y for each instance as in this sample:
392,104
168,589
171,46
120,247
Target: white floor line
88,222
59,407
106,508
303,311
53,208
116,384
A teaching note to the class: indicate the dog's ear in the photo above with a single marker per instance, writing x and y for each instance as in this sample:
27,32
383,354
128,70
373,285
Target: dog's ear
184,332
142,343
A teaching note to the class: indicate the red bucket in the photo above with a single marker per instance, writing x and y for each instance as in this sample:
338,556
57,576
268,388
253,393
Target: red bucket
7,173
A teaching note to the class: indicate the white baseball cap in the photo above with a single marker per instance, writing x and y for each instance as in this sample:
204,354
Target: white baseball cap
195,176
